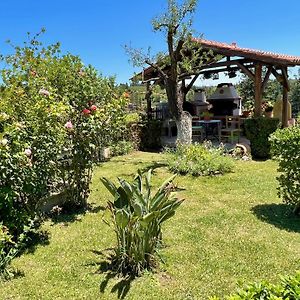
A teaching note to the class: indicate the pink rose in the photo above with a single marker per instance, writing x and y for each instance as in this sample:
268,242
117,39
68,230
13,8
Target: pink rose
86,112
93,107
28,152
69,125
44,92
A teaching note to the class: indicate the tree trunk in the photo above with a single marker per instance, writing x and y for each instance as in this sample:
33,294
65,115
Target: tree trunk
184,128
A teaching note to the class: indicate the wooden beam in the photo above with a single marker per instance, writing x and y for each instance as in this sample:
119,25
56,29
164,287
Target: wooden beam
190,85
226,63
224,70
285,104
265,81
277,75
285,78
246,71
258,92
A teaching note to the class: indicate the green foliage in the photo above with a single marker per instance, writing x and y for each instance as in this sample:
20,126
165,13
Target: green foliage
287,289
121,148
10,247
137,217
285,146
247,92
56,116
150,134
258,130
199,160
294,96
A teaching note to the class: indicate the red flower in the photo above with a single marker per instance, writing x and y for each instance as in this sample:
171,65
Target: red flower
86,112
93,107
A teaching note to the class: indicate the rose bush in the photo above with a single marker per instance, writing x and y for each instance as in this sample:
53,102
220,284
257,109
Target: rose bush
56,115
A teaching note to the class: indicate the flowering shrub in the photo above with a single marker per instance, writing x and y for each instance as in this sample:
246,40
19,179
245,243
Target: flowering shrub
56,115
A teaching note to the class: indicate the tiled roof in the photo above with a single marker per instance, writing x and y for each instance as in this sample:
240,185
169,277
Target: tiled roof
234,50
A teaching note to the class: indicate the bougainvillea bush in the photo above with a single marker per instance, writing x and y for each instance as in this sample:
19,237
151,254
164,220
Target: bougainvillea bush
55,117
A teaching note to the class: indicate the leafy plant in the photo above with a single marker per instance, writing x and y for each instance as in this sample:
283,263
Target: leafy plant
285,147
137,216
287,289
199,160
121,148
258,130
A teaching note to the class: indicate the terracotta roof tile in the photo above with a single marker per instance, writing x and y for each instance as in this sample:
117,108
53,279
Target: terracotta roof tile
233,49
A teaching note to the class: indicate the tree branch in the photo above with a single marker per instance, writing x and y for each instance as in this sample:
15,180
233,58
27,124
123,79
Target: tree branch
157,68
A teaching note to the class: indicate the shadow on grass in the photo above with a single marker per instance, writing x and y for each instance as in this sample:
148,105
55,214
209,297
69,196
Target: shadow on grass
279,215
154,165
35,239
123,284
67,215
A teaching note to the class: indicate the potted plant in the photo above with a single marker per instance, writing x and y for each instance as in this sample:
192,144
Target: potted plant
206,115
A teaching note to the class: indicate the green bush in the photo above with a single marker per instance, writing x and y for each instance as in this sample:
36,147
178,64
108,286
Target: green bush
137,217
56,116
258,130
199,160
150,134
121,148
285,147
287,289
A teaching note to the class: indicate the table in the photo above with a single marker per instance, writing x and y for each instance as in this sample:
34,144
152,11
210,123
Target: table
212,128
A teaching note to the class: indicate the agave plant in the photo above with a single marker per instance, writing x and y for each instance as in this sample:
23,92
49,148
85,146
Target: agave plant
137,216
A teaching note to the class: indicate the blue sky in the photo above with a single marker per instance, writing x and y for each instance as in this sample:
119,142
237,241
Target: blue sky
96,30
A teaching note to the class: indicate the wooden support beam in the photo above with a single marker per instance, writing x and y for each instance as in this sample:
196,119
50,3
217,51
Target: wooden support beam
223,70
285,104
226,63
258,92
267,76
277,75
190,85
285,101
148,98
285,78
246,71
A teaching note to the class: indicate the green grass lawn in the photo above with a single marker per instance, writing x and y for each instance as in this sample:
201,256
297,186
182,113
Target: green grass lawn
230,228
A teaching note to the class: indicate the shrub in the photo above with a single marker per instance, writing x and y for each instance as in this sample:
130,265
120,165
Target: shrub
258,130
121,148
137,217
56,115
287,289
150,134
199,160
285,146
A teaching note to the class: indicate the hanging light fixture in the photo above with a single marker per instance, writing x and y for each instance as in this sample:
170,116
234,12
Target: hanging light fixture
231,74
215,76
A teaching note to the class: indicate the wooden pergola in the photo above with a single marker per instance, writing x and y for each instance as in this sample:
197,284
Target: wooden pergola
231,58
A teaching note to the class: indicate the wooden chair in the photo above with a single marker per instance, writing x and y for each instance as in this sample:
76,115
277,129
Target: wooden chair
197,130
232,130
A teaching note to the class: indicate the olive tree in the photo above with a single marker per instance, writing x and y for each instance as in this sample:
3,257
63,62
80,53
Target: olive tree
182,59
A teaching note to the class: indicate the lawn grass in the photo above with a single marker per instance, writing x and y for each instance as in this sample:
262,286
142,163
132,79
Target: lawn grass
230,228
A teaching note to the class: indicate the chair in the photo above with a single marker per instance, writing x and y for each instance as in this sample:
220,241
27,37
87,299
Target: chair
197,130
232,130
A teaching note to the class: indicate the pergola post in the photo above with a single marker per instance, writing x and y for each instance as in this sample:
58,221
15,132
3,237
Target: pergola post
148,98
258,90
285,107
